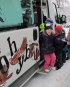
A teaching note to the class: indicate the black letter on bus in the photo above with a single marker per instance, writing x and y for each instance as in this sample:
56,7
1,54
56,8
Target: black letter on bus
20,63
10,46
27,50
2,66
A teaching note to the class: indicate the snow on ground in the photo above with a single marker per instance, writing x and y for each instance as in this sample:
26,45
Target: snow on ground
57,78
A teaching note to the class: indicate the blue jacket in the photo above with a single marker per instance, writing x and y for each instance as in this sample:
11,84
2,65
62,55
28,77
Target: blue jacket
47,43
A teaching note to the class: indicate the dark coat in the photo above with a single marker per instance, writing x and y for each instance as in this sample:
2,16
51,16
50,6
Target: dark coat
46,43
59,47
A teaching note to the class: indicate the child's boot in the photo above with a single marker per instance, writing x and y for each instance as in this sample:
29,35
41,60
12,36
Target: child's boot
53,68
47,70
67,58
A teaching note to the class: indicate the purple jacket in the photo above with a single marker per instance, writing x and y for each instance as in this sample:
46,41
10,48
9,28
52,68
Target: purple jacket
47,43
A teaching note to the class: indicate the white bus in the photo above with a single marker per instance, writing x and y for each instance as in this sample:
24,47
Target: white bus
19,39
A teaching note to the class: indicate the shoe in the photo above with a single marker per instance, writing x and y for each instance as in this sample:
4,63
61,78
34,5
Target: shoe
61,64
53,68
47,70
57,68
64,61
67,58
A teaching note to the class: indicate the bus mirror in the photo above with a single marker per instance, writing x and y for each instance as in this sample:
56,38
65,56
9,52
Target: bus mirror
63,19
57,18
60,19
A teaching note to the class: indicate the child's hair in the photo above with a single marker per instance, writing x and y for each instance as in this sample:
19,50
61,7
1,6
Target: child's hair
48,26
68,37
45,33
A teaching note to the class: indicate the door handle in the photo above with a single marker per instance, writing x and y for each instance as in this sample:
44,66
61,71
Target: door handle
34,34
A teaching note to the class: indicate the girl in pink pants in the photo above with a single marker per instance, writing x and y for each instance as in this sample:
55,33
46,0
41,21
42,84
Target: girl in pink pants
49,61
47,40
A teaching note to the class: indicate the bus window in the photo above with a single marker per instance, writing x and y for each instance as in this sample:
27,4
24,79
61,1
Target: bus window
55,12
17,14
45,8
10,13
29,12
35,12
42,11
27,19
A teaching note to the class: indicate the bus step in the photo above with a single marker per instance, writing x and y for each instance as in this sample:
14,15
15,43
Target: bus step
41,71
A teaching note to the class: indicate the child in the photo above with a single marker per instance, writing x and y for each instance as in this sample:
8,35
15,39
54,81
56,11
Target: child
68,43
42,27
59,47
47,21
47,47
65,49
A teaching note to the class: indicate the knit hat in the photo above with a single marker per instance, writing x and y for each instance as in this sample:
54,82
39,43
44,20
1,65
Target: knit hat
58,29
42,26
49,20
48,26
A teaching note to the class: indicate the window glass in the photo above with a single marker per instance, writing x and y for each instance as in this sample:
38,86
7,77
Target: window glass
29,12
17,14
10,13
54,9
57,17
45,9
35,12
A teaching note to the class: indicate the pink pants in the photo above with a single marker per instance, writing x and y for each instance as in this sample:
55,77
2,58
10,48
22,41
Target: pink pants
49,60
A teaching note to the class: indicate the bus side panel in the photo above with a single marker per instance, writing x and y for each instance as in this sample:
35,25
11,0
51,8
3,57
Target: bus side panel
18,53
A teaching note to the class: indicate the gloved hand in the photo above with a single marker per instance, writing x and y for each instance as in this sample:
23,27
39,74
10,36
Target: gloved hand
64,40
65,49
